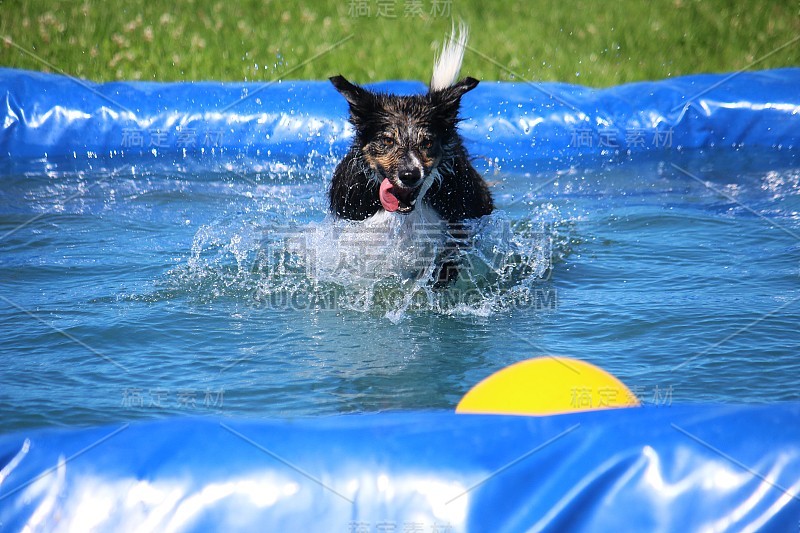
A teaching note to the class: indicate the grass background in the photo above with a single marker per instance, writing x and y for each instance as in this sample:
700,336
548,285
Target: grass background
587,42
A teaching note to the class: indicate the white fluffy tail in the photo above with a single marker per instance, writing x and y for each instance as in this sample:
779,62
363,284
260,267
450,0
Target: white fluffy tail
448,64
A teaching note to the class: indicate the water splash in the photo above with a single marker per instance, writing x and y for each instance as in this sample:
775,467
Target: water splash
386,268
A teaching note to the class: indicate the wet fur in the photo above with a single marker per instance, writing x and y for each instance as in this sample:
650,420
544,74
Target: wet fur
413,142
390,130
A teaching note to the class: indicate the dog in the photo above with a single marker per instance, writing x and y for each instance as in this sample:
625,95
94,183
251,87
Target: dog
407,158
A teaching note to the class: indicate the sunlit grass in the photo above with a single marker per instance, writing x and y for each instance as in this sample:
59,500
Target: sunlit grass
587,42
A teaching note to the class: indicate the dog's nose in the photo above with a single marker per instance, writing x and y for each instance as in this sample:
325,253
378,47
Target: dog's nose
409,176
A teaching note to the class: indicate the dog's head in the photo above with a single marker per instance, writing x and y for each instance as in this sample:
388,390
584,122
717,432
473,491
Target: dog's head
404,138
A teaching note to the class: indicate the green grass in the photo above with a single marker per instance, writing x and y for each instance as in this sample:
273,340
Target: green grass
588,42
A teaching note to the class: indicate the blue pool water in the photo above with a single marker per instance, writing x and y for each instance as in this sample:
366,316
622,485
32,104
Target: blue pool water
143,288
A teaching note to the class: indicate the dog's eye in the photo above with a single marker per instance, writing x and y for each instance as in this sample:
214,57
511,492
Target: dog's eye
427,143
387,141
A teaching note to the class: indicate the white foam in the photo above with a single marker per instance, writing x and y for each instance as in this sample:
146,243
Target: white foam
385,245
386,264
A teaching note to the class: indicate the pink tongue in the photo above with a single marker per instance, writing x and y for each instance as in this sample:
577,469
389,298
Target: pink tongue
388,200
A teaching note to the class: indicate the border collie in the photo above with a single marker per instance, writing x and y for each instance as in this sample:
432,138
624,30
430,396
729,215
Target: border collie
407,158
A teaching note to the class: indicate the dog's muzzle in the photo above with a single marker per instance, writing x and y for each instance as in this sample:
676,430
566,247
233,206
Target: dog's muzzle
400,198
410,177
400,192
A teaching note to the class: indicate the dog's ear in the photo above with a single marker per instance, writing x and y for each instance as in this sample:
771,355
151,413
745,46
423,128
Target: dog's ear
456,90
361,100
450,97
448,100
463,86
351,92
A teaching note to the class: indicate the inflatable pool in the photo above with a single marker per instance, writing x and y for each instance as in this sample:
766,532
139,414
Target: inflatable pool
142,454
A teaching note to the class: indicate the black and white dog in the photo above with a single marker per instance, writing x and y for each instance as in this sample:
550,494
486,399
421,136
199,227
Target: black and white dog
407,158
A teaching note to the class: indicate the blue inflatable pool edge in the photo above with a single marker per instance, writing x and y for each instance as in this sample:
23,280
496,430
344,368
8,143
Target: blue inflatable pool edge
678,468
552,124
684,467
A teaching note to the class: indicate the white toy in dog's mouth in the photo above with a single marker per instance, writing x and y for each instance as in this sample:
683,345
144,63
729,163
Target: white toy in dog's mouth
401,199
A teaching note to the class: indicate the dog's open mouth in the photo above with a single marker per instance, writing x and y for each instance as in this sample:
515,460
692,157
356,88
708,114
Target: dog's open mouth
400,199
